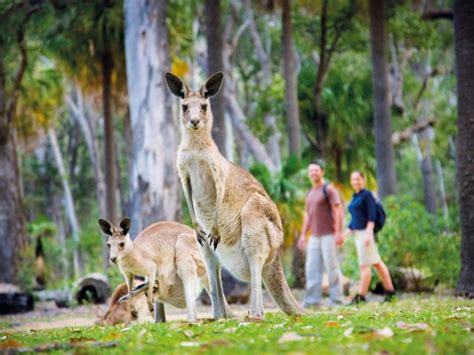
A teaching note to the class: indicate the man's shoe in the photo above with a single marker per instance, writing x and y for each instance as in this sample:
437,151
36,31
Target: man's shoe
358,299
390,296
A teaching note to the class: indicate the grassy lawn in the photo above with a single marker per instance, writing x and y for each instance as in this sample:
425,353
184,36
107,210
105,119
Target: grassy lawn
412,326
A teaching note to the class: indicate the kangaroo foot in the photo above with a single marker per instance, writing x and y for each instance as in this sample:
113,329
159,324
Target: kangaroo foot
254,317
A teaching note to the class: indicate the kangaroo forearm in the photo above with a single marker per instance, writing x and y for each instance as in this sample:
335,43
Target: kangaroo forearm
189,200
220,185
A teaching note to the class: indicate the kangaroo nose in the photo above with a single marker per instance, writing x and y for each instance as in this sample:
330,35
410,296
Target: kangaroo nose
194,122
114,260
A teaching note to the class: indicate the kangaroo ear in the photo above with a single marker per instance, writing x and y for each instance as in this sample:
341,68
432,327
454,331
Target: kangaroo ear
125,225
106,226
176,85
212,85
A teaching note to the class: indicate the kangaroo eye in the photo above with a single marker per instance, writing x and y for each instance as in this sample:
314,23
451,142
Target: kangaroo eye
121,245
108,245
204,107
184,107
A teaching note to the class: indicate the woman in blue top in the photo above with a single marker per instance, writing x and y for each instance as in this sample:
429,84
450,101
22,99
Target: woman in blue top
363,211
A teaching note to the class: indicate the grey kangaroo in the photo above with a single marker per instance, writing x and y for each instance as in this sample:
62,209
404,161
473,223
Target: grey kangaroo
236,222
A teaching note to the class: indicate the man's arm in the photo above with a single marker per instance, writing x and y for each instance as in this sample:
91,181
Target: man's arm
336,212
305,229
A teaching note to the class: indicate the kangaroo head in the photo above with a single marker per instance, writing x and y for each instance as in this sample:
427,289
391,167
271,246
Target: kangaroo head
118,242
195,113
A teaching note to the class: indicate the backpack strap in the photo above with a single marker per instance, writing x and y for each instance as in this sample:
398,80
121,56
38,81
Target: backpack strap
325,192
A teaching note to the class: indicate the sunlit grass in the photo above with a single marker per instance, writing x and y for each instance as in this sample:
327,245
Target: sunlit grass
412,326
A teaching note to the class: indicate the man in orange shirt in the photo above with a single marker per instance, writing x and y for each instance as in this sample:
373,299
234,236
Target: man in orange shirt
323,217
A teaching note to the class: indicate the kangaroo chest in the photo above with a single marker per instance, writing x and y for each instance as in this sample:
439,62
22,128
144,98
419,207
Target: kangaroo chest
203,190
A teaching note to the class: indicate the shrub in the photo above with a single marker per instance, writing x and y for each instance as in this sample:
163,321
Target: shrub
413,238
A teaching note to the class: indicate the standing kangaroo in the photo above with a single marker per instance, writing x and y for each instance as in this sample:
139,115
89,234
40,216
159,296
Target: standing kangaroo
228,207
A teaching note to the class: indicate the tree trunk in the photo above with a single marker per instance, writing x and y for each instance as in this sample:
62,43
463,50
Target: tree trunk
215,64
13,236
386,179
423,153
68,202
12,224
464,44
153,182
78,112
442,190
291,84
273,143
109,151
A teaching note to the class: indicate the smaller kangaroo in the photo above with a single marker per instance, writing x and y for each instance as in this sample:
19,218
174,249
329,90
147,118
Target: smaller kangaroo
167,254
121,312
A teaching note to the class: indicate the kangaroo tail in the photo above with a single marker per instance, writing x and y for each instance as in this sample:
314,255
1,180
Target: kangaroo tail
275,282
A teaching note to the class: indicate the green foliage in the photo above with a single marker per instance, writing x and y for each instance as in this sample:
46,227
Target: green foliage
413,238
287,189
416,326
407,25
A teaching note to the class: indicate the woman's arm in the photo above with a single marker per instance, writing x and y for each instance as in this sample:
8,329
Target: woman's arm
371,213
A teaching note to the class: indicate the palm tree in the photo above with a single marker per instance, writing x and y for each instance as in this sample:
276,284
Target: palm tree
214,64
382,122
291,84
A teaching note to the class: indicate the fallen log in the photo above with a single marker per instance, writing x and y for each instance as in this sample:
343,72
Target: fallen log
93,288
16,302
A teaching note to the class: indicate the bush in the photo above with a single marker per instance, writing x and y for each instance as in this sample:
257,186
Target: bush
413,238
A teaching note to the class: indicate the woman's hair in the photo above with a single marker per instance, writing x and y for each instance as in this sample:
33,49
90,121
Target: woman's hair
359,172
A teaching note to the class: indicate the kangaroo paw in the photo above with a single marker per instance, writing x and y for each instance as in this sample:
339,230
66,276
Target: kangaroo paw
201,237
213,241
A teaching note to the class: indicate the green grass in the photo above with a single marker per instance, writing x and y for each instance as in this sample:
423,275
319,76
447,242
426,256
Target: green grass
446,327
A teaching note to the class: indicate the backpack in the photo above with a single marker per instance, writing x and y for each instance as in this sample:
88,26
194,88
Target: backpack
380,216
326,196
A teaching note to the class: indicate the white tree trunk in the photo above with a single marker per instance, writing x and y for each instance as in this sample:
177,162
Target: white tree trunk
154,180
68,200
273,143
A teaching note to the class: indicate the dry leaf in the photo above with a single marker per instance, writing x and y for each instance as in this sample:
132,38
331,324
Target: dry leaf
79,340
348,332
9,344
332,323
384,332
188,333
230,330
290,336
416,327
190,343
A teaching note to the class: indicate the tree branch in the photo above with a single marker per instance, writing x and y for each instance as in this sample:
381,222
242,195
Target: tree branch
423,87
438,14
20,38
406,134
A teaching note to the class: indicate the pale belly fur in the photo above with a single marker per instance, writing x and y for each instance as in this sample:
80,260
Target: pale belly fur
234,259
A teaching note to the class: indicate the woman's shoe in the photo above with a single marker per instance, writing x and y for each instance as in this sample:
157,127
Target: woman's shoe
390,296
358,299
